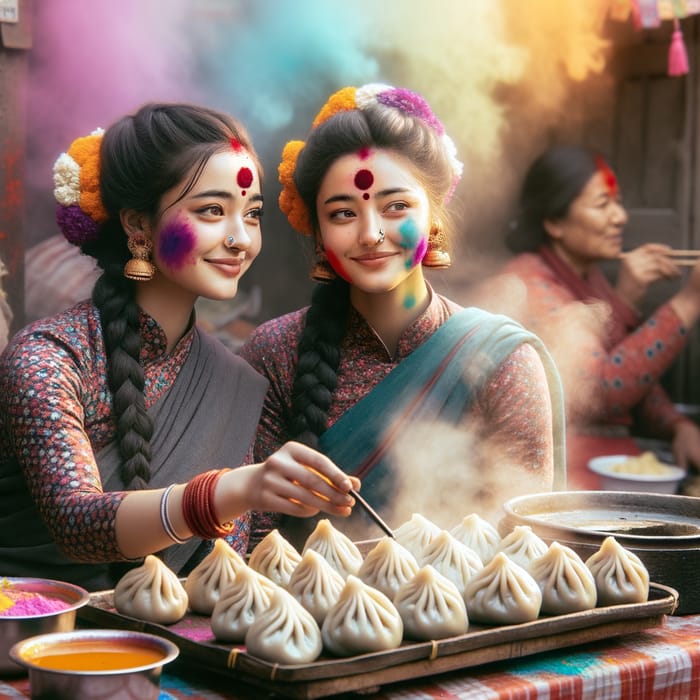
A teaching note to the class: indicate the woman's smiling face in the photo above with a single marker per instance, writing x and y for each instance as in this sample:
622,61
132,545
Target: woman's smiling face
362,194
193,238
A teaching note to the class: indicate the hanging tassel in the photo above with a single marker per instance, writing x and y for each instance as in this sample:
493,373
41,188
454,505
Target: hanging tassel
677,54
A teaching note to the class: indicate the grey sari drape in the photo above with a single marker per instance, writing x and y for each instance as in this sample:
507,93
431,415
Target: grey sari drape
206,420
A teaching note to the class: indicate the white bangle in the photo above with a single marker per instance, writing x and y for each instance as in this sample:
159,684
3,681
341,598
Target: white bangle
165,518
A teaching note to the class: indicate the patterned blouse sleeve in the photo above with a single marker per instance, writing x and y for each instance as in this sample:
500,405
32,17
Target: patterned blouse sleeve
44,422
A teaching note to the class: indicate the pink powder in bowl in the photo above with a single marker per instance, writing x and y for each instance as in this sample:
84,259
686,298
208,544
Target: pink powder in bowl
27,603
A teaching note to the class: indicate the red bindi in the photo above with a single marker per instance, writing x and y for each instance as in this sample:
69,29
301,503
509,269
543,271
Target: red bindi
244,179
608,175
363,179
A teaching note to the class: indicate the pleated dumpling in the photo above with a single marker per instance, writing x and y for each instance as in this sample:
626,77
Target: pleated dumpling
216,571
285,633
240,604
452,559
431,607
274,557
620,575
477,534
151,592
387,566
566,583
362,620
523,546
415,534
315,584
502,593
335,547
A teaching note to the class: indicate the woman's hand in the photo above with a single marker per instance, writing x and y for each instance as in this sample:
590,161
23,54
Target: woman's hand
686,445
295,480
640,268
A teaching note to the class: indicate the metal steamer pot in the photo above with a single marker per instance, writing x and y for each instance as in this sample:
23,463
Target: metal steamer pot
662,530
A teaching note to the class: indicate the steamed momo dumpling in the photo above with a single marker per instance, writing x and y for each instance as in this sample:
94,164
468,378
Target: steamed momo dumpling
452,559
502,593
216,571
275,558
566,583
151,592
240,604
415,534
335,547
479,535
523,546
285,633
620,576
431,607
362,620
315,584
387,566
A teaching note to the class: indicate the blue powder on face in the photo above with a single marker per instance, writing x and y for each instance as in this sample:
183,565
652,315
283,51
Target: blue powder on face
176,243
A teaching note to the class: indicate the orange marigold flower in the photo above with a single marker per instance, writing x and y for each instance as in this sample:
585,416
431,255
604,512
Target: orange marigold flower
85,151
341,101
290,200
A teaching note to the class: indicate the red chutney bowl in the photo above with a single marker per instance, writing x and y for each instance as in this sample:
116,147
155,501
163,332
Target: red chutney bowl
94,664
59,602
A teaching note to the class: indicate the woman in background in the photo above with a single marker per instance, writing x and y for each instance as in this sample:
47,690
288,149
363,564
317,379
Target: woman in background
118,415
438,409
611,359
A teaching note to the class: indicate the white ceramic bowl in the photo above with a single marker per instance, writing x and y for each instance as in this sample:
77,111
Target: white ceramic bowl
610,480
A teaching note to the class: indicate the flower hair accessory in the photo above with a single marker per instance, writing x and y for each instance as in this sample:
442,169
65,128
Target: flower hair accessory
347,99
76,178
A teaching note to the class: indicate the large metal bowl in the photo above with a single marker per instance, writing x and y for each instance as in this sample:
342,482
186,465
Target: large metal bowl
662,530
14,628
95,664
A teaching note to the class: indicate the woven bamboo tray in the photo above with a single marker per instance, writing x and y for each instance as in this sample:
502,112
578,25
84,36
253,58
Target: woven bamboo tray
331,676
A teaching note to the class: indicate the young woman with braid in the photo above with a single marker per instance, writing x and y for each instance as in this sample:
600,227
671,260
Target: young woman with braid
438,409
119,418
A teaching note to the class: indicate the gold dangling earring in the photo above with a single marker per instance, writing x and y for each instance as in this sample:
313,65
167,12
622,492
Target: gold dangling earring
139,268
437,257
322,270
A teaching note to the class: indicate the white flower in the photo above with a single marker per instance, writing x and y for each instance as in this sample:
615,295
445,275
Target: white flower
367,94
66,180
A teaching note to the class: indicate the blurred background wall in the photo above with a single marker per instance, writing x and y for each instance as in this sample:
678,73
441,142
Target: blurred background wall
507,79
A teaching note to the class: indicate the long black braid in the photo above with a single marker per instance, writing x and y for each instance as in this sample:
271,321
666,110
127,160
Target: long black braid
319,357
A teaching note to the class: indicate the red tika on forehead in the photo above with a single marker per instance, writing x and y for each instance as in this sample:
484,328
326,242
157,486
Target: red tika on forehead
363,179
245,177
608,175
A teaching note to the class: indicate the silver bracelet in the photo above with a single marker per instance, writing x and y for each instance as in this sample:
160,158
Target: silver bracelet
165,518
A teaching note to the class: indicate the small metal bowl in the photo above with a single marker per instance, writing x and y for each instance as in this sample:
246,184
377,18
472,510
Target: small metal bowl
95,663
14,628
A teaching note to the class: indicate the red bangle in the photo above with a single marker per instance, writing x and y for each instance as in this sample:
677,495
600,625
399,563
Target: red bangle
198,506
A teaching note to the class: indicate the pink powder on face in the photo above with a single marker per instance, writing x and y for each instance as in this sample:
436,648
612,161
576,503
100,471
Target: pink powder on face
26,603
176,243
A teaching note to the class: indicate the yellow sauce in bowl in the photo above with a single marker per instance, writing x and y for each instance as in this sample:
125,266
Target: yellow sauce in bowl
94,655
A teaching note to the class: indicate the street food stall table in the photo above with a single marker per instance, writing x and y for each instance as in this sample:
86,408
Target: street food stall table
662,662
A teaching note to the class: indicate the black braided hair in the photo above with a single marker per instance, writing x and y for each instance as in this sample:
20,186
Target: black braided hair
318,360
143,156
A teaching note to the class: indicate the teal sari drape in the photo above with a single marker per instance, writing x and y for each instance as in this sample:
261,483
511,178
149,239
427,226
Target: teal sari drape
436,382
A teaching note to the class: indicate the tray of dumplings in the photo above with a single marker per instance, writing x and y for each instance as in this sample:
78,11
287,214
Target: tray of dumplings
341,616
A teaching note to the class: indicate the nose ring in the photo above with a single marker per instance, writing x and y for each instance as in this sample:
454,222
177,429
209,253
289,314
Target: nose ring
381,238
230,242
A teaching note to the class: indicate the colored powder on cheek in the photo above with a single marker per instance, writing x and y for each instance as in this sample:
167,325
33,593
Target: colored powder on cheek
363,179
421,250
409,234
335,263
176,243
